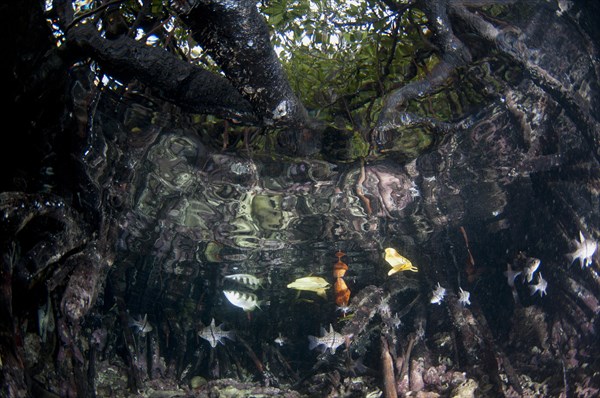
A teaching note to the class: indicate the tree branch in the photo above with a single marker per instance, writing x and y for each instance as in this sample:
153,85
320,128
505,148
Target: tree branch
237,38
453,54
192,88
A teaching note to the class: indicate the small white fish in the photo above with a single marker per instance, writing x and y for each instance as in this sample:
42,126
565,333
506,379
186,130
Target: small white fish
463,297
247,280
142,326
511,275
329,340
280,340
540,286
215,334
530,268
344,309
438,295
584,250
246,301
396,321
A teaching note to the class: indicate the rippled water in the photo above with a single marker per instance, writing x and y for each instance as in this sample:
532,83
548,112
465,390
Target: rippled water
199,214
204,215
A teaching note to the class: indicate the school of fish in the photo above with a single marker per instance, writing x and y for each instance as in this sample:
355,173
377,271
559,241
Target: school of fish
584,250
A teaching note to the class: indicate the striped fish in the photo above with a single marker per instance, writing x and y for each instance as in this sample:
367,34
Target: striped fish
215,334
246,301
247,280
329,340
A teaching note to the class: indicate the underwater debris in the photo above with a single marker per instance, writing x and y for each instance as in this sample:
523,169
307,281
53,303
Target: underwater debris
584,250
398,262
247,280
438,295
243,300
227,387
463,297
540,286
215,334
329,340
311,284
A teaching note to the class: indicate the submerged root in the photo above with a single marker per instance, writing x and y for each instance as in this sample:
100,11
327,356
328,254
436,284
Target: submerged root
387,368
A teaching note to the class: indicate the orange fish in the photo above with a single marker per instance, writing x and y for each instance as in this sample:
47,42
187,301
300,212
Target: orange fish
339,268
342,293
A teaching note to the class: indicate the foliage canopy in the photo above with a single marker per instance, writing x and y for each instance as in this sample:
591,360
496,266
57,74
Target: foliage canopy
340,57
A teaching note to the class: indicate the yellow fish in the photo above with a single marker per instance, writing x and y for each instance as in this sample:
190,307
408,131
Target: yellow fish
310,283
398,262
